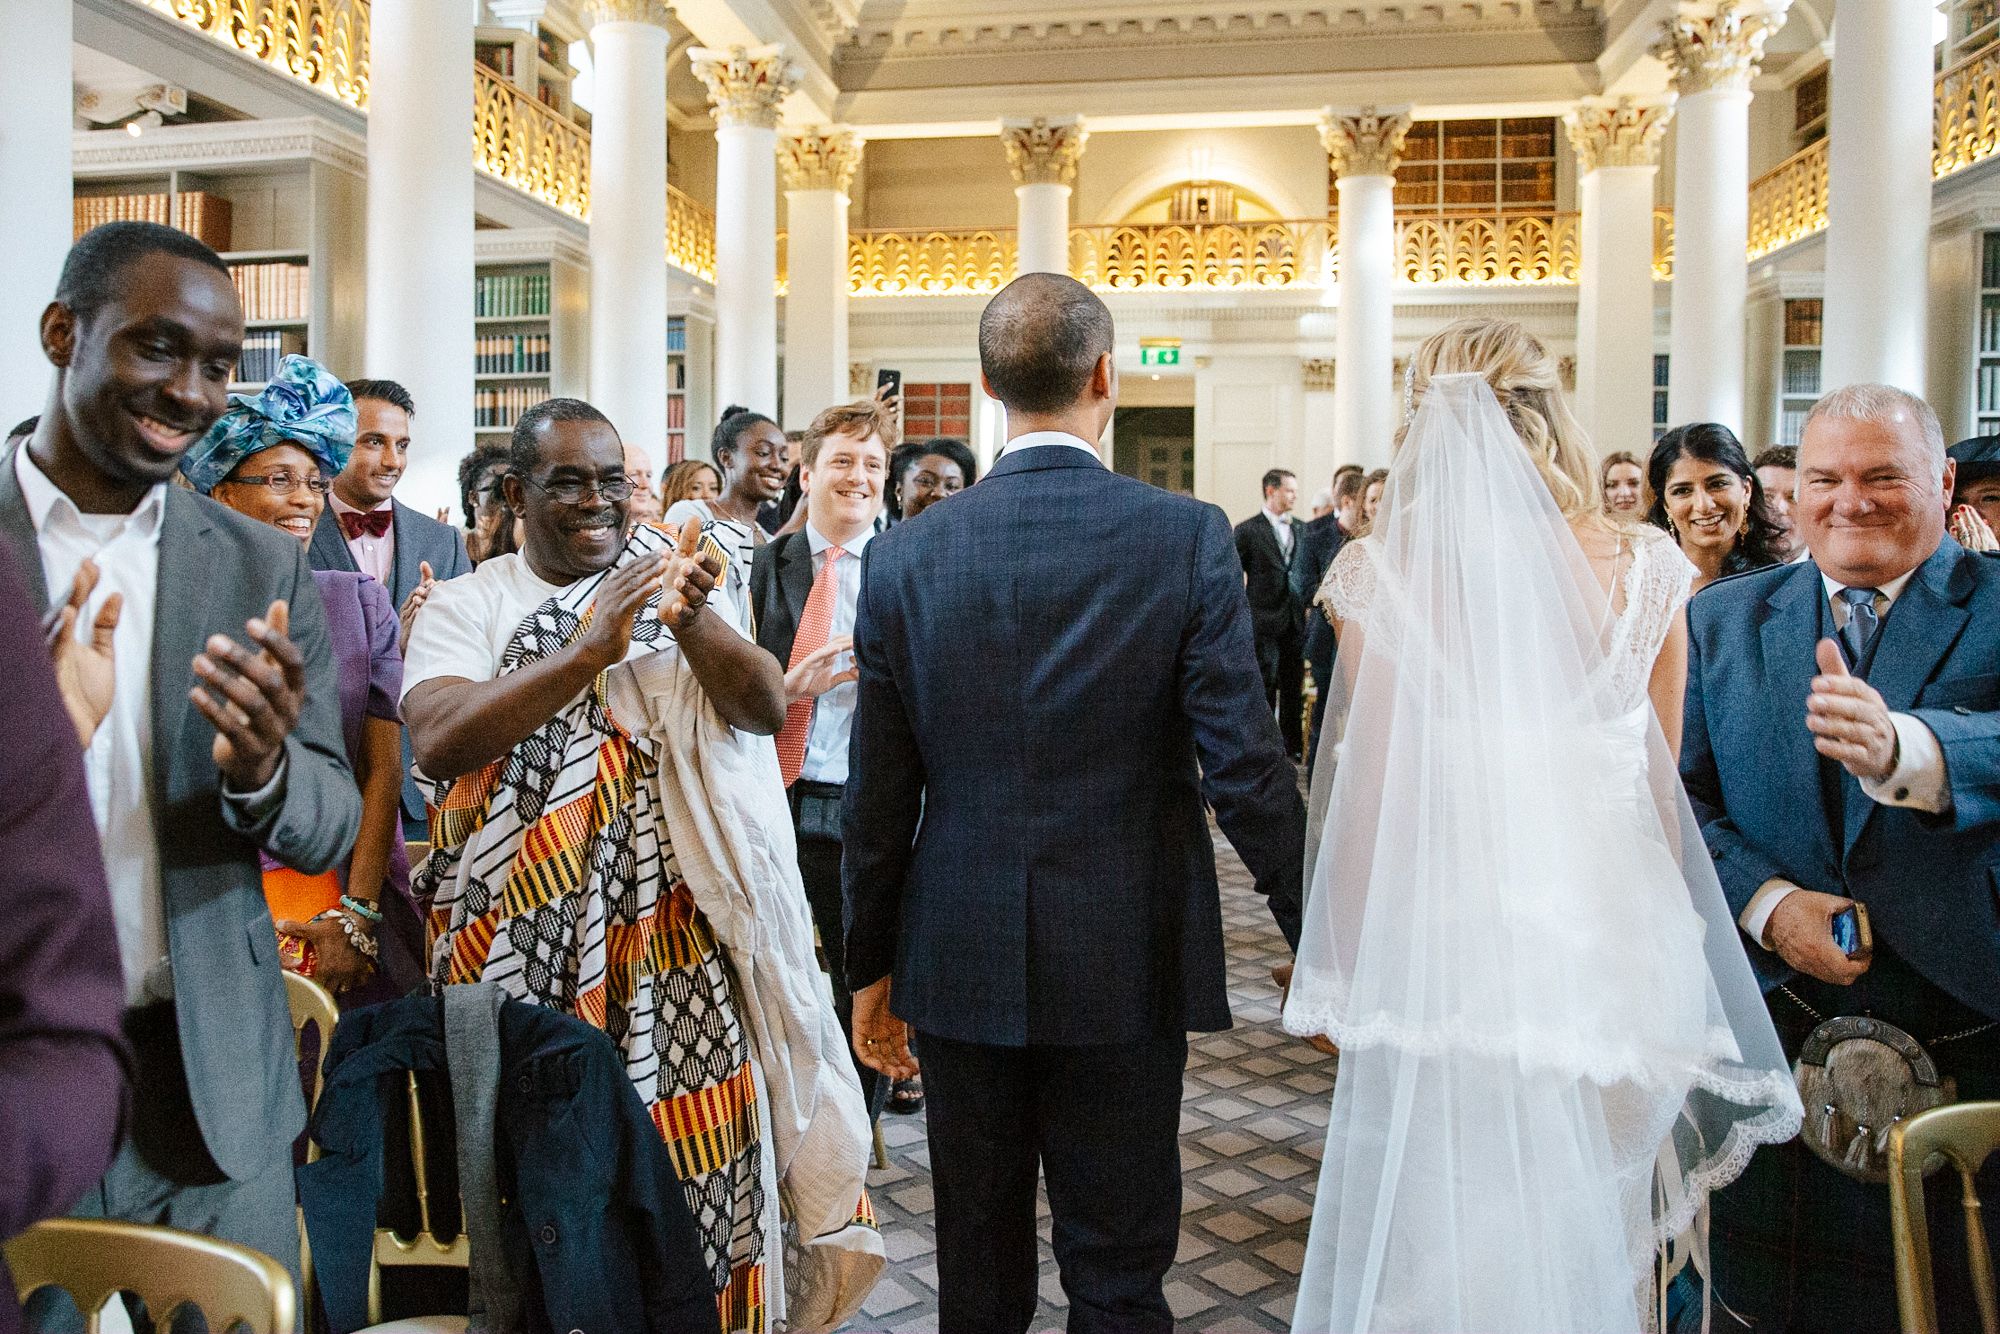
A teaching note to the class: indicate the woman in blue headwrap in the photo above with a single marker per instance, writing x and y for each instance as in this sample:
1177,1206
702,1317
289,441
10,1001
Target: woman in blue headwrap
271,456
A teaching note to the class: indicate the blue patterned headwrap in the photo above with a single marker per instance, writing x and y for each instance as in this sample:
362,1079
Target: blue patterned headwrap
303,405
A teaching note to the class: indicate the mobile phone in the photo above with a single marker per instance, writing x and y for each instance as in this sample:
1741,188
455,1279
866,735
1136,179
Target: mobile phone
1851,933
892,379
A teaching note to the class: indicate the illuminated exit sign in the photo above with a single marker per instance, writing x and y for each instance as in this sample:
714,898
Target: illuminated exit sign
1160,352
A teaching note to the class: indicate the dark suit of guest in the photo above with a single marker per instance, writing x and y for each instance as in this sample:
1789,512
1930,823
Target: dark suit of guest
1324,537
415,538
1041,718
216,1099
781,579
1797,1246
1277,615
62,1060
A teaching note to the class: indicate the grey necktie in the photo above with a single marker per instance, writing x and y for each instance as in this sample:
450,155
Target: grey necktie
1861,621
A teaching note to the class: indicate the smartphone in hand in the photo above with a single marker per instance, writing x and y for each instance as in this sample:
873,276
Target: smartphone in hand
1851,933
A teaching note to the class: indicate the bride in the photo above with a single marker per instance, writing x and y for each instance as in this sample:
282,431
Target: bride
1552,1047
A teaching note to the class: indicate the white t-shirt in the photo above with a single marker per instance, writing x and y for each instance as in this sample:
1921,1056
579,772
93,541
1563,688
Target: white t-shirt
466,624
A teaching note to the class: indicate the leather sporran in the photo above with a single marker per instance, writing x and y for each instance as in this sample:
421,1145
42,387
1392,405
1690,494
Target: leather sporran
1857,1078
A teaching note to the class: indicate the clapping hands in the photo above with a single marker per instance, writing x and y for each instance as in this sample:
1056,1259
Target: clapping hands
86,674
414,603
820,671
251,698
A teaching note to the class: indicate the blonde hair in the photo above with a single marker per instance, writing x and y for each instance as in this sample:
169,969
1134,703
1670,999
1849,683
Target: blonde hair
1524,378
859,419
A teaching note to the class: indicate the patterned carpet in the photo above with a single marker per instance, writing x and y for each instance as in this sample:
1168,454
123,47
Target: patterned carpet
1253,1120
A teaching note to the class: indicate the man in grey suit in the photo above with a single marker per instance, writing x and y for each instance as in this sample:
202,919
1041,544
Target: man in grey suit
223,738
366,529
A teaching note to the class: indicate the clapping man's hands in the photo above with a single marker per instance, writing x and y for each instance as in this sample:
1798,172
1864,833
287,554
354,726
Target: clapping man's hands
414,603
85,672
688,576
252,698
820,671
1971,531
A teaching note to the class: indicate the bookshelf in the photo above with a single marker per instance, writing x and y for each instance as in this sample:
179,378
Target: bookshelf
1970,27
1660,375
1478,166
281,202
1986,383
677,389
1799,367
531,291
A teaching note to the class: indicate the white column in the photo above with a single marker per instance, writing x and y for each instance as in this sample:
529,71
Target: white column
35,217
1712,48
1364,147
745,86
1043,156
1878,186
819,166
1618,152
628,219
418,324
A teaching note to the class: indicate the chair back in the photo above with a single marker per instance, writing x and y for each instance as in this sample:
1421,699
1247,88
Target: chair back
313,1006
1963,1135
393,1250
94,1259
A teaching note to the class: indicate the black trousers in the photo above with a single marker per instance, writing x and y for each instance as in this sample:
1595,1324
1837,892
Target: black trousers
819,867
1281,661
1103,1125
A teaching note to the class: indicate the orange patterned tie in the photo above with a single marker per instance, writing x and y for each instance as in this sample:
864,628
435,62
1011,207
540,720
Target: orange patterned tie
815,628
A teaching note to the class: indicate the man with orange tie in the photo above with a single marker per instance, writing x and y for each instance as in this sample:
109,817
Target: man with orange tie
804,588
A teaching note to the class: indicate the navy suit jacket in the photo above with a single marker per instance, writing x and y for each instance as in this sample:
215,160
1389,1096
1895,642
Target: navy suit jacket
1931,883
419,538
1056,668
1324,539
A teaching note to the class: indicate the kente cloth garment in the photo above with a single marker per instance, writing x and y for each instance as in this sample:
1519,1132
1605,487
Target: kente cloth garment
553,876
304,404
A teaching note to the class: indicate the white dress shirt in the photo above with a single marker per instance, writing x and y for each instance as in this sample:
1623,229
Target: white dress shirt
1918,781
1036,439
1283,527
119,762
373,556
833,715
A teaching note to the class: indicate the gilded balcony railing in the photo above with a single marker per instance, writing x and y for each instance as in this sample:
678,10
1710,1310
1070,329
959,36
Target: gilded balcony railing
1487,250
932,263
690,235
1788,202
1967,128
1222,256
1663,244
518,140
323,43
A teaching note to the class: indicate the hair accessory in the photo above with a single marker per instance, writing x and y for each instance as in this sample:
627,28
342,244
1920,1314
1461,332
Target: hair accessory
304,405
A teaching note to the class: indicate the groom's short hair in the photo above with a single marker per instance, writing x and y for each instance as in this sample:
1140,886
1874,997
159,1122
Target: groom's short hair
1040,339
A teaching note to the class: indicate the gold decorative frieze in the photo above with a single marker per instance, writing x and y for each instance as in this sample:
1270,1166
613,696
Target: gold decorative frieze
1318,374
1788,203
1367,142
1210,257
1967,128
1663,245
938,263
1620,133
321,43
1044,151
1489,251
821,159
690,235
653,12
746,84
518,140
1717,43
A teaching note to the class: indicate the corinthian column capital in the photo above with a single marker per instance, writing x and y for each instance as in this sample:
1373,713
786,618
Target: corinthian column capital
820,159
1364,142
1621,133
1044,151
625,11
1717,43
746,84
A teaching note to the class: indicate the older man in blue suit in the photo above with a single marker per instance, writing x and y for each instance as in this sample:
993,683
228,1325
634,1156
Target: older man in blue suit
1842,745
1041,713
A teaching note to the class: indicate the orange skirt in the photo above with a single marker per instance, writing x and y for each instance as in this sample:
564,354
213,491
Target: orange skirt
296,896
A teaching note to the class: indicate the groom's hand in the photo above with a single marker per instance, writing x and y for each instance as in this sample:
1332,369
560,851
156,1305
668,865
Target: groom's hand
881,1040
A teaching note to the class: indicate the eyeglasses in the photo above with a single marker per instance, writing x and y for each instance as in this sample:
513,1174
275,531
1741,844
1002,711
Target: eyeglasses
617,490
284,483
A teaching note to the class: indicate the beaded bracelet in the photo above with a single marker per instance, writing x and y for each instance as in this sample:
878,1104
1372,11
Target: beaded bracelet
364,944
360,909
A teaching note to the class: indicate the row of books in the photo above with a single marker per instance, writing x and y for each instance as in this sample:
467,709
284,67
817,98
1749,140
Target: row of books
1989,387
263,349
1802,373
273,291
510,294
677,334
1989,323
1803,321
502,405
677,409
510,353
201,215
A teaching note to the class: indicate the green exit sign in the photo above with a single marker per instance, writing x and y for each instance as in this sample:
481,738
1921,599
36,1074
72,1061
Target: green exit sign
1160,356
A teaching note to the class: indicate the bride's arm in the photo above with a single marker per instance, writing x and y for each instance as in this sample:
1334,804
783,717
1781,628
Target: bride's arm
1669,683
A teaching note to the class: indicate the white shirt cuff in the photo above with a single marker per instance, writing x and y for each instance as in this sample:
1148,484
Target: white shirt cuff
1918,781
258,804
1757,913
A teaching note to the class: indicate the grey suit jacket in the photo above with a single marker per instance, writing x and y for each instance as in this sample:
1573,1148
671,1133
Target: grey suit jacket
217,570
418,539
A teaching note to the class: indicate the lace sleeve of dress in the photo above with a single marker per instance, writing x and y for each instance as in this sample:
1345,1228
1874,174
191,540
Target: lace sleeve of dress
1661,578
1349,582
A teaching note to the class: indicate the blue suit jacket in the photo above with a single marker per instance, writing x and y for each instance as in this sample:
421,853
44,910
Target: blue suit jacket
1931,883
1044,659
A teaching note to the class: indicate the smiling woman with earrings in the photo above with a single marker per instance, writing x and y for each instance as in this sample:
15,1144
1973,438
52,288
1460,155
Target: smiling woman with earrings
1706,494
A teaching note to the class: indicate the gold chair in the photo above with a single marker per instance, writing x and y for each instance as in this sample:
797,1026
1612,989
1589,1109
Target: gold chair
393,1251
1963,1134
313,1006
94,1259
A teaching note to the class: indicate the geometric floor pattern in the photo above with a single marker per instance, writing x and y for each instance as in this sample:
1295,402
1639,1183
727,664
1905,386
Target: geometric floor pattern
1253,1122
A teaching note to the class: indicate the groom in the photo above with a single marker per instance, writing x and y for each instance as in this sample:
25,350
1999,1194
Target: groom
1045,702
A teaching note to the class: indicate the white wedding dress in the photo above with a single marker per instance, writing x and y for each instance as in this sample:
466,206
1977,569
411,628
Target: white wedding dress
1552,1047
